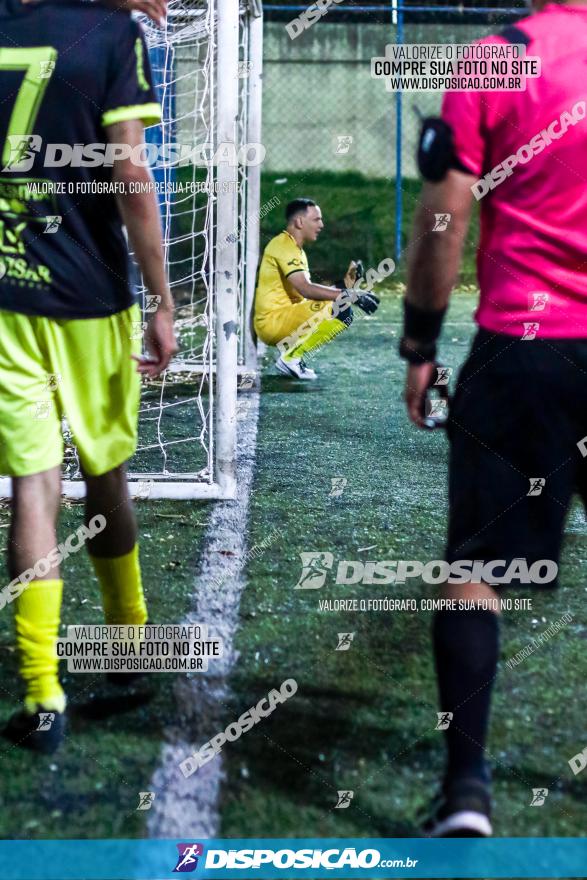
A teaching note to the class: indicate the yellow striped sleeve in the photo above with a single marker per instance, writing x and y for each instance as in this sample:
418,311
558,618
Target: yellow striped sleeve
150,114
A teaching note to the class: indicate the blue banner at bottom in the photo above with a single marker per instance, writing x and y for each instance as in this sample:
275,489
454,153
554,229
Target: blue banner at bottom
292,857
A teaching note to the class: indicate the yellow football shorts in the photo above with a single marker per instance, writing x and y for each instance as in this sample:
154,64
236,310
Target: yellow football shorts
78,369
274,326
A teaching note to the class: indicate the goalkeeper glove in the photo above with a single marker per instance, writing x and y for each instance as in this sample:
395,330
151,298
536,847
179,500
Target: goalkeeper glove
350,276
368,302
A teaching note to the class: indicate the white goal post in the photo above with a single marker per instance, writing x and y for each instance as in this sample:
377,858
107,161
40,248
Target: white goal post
207,67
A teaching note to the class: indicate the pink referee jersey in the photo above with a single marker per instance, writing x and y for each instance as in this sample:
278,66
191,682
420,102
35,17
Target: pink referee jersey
532,256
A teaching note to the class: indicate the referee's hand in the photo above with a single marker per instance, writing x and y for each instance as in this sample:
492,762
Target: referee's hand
418,380
160,342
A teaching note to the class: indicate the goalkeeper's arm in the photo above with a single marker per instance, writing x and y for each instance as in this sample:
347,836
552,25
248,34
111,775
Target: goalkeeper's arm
309,290
139,210
368,302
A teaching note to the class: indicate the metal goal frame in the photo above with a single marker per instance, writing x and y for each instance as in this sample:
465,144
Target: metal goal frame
232,266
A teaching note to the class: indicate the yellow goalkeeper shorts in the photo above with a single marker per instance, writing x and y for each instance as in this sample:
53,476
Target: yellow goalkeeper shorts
276,325
78,369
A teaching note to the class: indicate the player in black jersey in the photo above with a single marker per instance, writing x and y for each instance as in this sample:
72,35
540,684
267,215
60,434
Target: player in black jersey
75,81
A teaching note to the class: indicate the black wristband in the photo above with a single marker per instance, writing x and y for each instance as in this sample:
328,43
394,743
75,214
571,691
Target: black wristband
422,325
417,353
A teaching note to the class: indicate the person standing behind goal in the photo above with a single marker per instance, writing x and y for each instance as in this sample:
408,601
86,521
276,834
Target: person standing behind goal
72,73
519,414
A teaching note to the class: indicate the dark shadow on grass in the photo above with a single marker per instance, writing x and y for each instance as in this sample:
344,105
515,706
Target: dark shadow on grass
277,384
101,706
304,750
530,777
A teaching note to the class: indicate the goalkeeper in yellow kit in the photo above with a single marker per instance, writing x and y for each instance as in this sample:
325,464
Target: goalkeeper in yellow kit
291,311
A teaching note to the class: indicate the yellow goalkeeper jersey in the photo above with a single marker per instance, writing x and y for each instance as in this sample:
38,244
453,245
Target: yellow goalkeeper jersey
281,258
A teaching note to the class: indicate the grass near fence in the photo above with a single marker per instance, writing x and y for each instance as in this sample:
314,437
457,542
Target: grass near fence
359,216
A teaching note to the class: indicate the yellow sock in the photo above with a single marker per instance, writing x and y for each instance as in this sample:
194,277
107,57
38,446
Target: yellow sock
324,332
37,626
122,588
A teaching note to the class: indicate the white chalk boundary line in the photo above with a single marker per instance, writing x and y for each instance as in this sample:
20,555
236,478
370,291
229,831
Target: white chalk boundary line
190,807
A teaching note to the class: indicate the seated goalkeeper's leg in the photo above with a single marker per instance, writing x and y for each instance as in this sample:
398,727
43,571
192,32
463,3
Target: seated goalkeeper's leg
300,331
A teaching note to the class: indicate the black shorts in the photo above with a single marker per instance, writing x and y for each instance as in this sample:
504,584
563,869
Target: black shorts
519,411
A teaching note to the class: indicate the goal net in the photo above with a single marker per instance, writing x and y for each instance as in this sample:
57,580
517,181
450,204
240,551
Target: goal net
208,188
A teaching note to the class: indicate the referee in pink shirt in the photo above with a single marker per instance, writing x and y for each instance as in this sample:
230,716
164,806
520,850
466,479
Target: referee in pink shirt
519,413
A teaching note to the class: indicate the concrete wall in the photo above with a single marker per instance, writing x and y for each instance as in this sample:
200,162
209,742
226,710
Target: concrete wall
319,86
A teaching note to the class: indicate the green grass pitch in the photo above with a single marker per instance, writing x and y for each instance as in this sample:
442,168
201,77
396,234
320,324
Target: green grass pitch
362,719
89,789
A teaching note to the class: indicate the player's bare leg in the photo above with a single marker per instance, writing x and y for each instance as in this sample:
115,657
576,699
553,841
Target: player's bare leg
35,509
108,496
114,551
466,652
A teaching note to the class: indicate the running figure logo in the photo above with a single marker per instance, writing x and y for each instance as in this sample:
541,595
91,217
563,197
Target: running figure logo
146,799
46,719
46,69
437,408
338,485
152,302
52,223
531,329
538,301
444,719
443,374
314,570
344,143
23,149
441,222
344,800
537,484
539,795
188,857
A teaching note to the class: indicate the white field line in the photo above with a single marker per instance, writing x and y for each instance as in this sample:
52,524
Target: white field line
190,807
